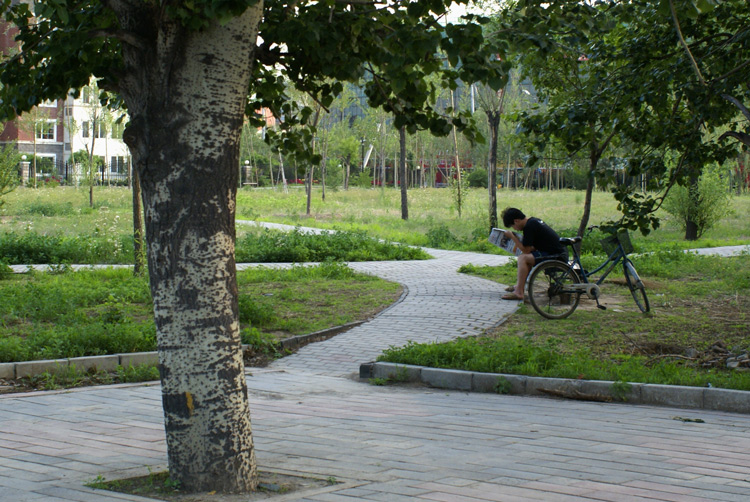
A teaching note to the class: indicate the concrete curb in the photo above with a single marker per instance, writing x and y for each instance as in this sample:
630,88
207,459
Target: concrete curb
708,398
11,371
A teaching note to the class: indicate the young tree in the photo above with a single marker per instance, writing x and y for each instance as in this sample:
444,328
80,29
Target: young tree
185,71
9,179
32,122
492,102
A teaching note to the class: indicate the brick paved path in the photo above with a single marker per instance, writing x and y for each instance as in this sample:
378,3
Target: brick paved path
392,443
438,304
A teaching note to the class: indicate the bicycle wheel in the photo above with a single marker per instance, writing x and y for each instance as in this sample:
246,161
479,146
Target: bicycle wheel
550,289
637,289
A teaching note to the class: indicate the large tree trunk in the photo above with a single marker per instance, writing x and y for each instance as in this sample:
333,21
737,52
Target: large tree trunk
186,119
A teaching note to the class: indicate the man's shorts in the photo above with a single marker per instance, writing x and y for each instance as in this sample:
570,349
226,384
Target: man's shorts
540,256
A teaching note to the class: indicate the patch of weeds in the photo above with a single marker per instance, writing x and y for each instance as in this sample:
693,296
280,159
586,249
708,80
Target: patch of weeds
70,376
64,376
400,376
620,390
152,483
503,386
505,274
261,343
690,420
133,374
255,313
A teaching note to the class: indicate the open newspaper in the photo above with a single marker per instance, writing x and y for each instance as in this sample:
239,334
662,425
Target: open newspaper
498,238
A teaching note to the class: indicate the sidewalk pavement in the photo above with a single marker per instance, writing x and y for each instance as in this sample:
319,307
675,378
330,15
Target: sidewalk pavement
313,417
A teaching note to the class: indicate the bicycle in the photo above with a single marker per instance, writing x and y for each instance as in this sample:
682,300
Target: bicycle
555,287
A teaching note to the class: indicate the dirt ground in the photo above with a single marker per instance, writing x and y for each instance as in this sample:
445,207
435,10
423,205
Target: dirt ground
271,485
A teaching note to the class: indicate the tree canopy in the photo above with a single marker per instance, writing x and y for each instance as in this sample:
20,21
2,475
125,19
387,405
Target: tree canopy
658,77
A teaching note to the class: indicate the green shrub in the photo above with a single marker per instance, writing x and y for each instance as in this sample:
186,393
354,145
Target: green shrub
273,246
440,237
32,248
477,178
254,313
703,203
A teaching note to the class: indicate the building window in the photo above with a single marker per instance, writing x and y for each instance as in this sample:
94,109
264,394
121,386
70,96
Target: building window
100,129
118,165
46,131
85,129
68,111
86,95
117,130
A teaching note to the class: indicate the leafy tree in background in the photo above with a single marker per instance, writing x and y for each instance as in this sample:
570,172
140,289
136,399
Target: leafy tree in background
184,71
640,84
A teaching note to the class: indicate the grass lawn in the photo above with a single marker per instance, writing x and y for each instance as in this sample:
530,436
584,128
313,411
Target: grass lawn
700,318
97,312
700,305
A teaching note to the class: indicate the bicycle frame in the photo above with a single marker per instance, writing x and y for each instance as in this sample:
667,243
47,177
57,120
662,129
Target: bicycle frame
612,260
591,289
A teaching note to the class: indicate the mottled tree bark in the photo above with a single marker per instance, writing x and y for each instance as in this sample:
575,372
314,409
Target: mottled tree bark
185,92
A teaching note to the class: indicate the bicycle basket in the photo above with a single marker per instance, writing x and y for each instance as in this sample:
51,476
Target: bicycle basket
610,243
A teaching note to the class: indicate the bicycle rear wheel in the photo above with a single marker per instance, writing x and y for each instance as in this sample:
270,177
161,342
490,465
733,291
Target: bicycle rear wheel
637,289
551,290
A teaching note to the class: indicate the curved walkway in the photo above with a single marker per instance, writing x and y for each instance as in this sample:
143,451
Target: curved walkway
438,304
392,443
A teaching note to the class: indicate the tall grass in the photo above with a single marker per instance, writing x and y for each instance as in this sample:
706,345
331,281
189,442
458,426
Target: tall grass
433,218
434,221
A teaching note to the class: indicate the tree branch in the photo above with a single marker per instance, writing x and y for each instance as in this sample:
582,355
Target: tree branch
125,36
731,72
736,102
684,44
740,136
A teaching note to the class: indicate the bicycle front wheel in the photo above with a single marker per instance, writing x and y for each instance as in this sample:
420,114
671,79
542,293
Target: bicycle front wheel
637,289
551,290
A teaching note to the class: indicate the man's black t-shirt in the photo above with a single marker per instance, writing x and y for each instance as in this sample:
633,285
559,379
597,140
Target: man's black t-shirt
538,234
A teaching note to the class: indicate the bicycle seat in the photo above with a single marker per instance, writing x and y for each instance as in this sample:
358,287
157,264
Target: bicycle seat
569,241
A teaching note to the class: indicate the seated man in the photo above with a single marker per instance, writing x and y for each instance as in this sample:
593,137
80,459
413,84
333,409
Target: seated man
539,243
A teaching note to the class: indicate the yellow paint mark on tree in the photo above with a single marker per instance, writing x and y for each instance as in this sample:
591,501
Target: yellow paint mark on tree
189,402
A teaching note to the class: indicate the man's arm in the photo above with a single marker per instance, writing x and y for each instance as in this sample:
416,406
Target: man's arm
519,244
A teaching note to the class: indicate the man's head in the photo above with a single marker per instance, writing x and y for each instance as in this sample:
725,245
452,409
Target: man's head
510,215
